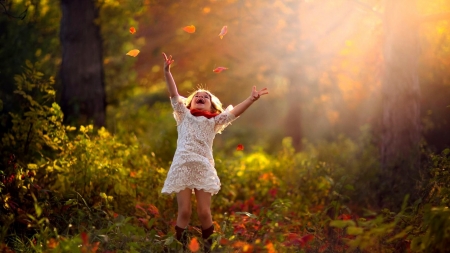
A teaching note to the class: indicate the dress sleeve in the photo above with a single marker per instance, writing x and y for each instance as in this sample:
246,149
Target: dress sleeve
179,109
224,119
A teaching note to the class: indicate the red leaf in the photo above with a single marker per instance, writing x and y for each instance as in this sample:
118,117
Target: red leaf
306,239
219,69
144,221
239,228
193,245
132,30
85,238
345,217
273,192
189,29
240,147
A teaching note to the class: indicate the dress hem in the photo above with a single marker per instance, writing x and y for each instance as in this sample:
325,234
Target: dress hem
212,191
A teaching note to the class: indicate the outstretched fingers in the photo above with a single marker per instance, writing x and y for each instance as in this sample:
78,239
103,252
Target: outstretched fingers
263,91
167,60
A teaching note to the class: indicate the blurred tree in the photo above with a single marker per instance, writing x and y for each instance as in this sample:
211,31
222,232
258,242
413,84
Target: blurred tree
25,35
401,96
83,96
401,99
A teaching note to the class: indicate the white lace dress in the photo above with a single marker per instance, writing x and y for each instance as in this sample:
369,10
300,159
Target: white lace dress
193,163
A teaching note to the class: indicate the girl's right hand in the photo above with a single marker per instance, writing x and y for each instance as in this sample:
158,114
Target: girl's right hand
167,62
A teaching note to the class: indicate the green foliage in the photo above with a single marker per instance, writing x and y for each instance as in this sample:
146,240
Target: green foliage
83,189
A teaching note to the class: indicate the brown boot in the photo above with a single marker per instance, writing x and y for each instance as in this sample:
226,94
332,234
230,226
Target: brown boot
207,241
181,234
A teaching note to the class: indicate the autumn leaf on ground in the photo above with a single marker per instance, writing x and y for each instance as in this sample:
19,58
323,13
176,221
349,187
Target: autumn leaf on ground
219,69
240,147
132,30
306,238
193,245
189,29
223,31
243,247
133,52
84,238
52,243
270,248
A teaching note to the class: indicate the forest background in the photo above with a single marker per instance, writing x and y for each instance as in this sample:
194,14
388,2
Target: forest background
348,152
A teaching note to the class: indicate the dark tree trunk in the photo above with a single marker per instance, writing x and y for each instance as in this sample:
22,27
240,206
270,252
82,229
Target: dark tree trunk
401,135
293,120
83,98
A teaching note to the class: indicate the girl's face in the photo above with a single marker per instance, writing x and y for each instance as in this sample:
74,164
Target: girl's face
201,101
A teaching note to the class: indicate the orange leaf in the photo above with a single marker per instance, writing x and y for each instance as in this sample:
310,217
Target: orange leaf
94,247
223,241
193,245
240,147
243,247
133,52
153,210
189,29
219,69
132,173
270,248
223,31
216,226
132,30
345,217
52,243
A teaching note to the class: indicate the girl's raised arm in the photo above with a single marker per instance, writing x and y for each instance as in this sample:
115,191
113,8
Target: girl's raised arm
240,108
171,86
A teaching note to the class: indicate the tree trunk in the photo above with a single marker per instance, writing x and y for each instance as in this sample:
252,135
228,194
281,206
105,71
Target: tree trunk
400,137
83,98
293,120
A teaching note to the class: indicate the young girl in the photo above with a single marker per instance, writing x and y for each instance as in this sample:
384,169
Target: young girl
199,118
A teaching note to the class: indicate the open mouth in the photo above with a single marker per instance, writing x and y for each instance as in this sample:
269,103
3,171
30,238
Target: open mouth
200,101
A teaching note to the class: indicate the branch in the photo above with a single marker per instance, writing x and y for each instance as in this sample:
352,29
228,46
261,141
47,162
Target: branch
366,7
435,17
21,15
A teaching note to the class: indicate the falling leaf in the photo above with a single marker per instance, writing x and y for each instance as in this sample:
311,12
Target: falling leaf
240,147
223,31
193,245
133,52
132,30
219,69
189,29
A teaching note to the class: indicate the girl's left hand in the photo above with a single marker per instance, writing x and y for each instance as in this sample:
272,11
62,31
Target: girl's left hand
256,94
167,62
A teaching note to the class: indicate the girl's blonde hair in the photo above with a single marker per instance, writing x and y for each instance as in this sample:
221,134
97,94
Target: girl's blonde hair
216,105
